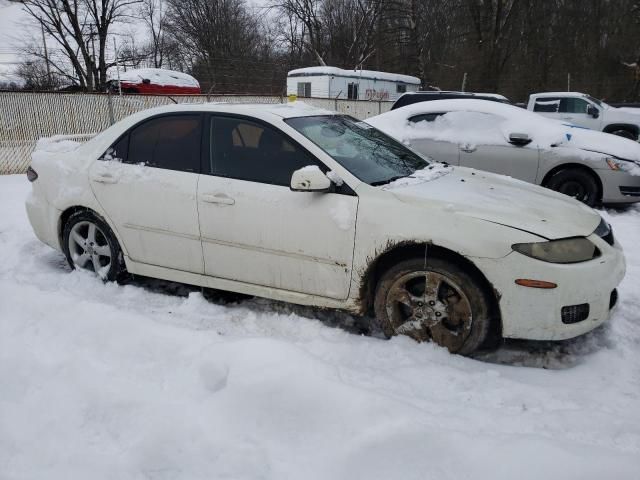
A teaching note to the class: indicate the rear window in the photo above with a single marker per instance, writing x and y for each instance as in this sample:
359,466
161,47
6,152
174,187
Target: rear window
171,142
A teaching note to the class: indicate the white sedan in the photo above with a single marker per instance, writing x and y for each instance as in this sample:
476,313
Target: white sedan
593,167
311,207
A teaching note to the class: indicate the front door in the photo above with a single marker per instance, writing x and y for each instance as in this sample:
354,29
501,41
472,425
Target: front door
574,110
147,186
256,230
510,160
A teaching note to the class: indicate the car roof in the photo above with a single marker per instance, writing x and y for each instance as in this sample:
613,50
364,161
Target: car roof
258,110
559,94
430,95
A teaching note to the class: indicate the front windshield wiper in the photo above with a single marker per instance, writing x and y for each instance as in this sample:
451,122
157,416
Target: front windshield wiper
388,180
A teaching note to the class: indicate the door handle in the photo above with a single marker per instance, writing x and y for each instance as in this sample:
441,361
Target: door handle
219,198
104,178
468,148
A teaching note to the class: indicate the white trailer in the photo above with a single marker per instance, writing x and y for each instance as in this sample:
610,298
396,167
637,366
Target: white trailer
332,82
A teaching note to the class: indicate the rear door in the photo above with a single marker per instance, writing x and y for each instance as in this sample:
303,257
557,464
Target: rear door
147,185
255,229
547,107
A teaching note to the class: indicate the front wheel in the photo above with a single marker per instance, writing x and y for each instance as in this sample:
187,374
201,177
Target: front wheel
575,183
439,302
90,244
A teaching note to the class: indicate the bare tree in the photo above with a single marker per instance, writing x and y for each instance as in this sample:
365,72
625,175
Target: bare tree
215,33
154,15
312,32
81,28
350,30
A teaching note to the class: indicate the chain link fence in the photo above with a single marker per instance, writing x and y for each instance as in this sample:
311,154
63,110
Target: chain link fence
26,117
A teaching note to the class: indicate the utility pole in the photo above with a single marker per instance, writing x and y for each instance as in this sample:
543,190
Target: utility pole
568,82
115,50
93,58
46,56
464,82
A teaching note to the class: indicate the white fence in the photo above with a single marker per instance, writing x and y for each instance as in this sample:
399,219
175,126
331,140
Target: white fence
26,117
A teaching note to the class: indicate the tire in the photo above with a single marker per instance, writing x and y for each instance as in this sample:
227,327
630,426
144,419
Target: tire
89,244
624,133
576,183
453,312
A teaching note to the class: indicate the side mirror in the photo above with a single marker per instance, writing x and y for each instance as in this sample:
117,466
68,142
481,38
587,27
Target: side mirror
519,139
310,179
146,81
593,111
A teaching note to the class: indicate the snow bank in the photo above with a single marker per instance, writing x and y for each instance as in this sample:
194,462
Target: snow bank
158,76
104,381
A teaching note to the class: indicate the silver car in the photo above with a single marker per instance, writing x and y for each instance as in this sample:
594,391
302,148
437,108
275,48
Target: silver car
591,166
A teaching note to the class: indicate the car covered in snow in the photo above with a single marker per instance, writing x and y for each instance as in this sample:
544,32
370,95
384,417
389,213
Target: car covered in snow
410,98
312,207
153,81
586,111
591,166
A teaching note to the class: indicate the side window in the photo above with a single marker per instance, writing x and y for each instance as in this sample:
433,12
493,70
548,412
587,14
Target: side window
118,151
573,105
304,89
401,88
425,117
171,142
547,105
250,151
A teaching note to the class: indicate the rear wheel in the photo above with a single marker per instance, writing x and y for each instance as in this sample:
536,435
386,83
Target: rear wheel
575,183
438,302
89,244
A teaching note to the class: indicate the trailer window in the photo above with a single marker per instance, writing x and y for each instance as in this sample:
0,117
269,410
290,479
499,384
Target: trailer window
304,89
352,91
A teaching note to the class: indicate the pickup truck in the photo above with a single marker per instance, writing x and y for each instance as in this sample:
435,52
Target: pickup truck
585,111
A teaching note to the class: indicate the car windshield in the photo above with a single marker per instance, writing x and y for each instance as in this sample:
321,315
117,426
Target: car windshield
367,153
600,103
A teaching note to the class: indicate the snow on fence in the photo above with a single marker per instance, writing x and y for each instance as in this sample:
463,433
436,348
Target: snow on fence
26,117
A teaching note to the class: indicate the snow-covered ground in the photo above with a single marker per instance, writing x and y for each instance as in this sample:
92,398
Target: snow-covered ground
152,381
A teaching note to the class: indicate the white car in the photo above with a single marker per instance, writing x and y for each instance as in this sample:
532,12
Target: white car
311,207
593,167
586,111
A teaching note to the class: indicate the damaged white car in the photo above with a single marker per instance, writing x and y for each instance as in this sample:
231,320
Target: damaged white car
592,166
311,207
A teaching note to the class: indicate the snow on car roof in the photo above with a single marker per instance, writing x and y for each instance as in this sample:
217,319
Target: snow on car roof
475,128
470,94
367,74
157,76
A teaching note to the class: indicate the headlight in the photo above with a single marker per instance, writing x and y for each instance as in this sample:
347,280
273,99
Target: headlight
566,250
617,164
614,164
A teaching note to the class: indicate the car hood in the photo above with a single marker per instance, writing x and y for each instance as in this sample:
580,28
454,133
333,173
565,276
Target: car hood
502,200
604,143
